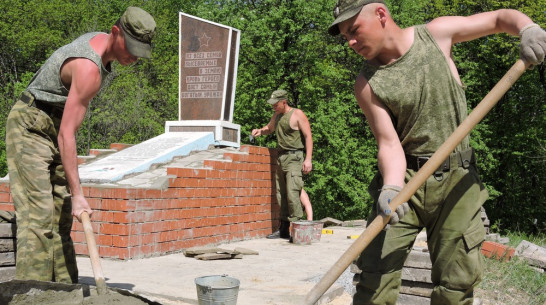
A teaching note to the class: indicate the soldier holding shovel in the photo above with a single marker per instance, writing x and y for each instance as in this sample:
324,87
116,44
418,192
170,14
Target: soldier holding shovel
412,96
41,143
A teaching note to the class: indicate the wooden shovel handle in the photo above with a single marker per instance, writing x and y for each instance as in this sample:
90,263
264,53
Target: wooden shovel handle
373,228
93,254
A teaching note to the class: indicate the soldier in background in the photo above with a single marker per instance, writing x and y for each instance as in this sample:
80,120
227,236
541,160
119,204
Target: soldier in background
293,137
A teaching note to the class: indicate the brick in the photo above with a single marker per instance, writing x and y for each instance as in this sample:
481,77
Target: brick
111,252
497,251
117,204
120,146
99,152
102,216
5,197
257,150
114,229
235,157
81,249
150,194
535,255
4,187
417,275
103,240
185,182
187,172
8,244
7,273
7,230
150,239
179,193
78,237
120,241
7,207
168,236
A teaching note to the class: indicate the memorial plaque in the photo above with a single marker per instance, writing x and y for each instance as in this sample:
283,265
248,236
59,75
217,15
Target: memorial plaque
208,69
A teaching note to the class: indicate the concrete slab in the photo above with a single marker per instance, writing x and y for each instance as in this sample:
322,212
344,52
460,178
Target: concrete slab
533,254
281,274
140,157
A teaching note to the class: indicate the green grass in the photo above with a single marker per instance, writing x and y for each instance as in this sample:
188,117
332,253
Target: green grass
513,282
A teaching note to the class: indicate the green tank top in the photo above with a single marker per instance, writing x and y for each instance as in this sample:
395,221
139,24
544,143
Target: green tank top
287,138
424,100
46,85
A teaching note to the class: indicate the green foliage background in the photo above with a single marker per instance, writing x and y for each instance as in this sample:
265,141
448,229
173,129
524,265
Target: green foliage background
284,44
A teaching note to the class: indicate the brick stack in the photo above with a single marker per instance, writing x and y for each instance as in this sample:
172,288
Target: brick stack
7,251
225,200
416,279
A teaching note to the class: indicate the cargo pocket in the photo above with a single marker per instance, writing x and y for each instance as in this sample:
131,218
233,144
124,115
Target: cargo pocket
297,180
475,235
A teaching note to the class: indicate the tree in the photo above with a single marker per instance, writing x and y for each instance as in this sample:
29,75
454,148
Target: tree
284,44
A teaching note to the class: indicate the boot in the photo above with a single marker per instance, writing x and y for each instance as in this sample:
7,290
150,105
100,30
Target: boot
283,232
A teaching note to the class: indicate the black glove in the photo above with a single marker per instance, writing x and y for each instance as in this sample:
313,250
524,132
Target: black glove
388,192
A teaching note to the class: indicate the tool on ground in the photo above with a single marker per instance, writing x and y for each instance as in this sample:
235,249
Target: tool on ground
373,228
93,254
327,231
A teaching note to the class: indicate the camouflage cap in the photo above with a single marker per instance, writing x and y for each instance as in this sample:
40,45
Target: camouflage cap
347,9
278,95
139,28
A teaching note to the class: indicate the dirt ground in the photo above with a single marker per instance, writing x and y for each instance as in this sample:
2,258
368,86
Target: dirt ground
344,299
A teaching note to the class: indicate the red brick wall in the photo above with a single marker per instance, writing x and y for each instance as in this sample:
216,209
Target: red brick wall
231,199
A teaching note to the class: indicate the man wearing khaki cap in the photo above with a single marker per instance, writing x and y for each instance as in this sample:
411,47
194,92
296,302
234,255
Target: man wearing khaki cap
41,143
293,137
412,96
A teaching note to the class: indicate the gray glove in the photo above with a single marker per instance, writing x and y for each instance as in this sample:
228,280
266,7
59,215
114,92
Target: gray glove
533,44
388,192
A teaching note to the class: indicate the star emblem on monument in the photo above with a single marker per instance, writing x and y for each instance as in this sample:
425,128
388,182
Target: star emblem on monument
204,40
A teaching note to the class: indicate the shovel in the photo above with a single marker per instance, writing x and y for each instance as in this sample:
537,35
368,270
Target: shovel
93,254
373,228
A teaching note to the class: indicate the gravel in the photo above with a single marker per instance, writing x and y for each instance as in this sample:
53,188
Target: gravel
345,280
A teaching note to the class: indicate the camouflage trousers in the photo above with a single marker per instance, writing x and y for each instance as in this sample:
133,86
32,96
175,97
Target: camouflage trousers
289,182
449,209
43,207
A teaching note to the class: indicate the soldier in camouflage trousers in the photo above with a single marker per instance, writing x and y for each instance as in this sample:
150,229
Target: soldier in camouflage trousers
413,99
41,143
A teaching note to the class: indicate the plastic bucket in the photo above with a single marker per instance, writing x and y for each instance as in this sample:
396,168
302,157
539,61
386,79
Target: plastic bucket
217,290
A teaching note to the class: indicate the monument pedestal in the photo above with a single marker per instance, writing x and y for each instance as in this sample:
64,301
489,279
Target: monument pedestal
225,133
141,157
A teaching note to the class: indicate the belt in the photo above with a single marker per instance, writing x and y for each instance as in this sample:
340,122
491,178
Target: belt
457,159
50,110
284,152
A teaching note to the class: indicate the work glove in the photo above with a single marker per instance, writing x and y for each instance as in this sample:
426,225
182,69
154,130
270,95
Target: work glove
388,192
533,44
